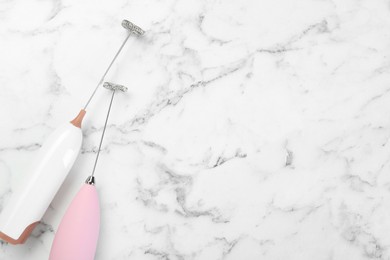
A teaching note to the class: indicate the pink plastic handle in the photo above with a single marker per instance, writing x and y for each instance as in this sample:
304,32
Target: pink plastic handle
78,233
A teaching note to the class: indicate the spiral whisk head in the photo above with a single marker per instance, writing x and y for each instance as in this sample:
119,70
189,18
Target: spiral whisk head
132,27
114,87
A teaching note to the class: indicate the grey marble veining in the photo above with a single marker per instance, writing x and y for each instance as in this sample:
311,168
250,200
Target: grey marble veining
250,130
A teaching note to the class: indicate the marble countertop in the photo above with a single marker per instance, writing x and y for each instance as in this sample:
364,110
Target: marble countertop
251,129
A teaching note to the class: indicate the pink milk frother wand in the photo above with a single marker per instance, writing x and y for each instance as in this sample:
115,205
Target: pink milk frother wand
53,162
78,232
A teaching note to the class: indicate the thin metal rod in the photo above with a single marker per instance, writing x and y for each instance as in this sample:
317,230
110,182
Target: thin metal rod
105,73
104,130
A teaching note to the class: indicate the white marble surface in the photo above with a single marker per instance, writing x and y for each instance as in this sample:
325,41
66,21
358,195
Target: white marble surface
251,129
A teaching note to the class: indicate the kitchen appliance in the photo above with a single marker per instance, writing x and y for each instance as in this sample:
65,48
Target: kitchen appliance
52,163
77,235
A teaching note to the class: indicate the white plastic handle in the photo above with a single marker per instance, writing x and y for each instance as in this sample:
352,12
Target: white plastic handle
29,202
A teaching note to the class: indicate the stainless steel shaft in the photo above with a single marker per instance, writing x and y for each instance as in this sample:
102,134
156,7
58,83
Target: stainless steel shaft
132,29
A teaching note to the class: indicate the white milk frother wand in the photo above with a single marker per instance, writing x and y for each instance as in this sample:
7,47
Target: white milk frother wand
53,162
